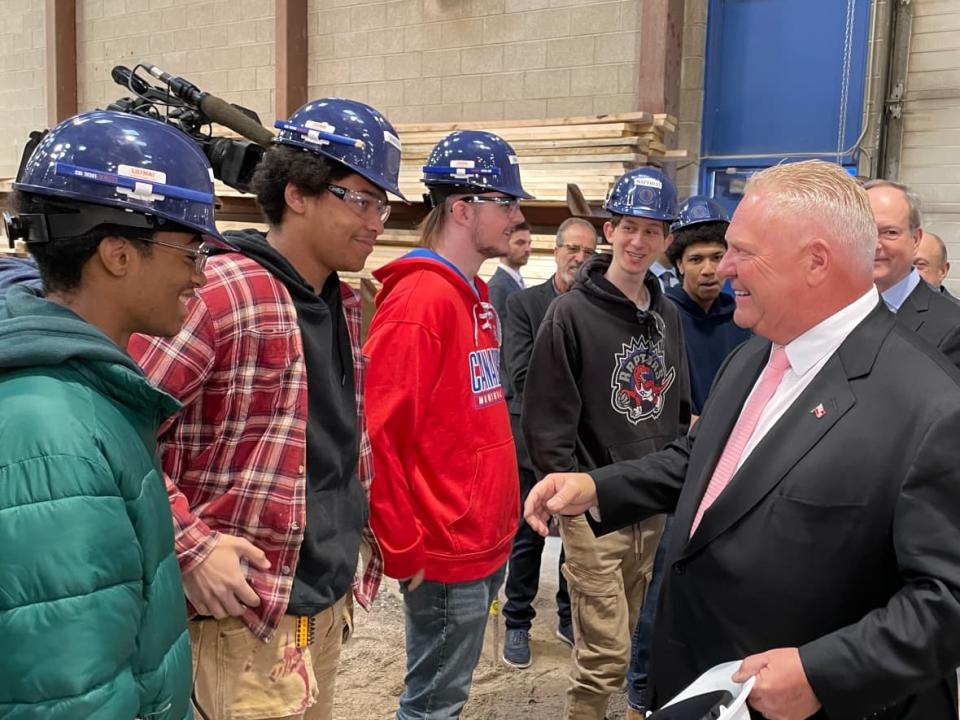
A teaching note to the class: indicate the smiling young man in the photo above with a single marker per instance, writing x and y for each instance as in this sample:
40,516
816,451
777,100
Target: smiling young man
608,381
263,461
709,333
445,505
92,616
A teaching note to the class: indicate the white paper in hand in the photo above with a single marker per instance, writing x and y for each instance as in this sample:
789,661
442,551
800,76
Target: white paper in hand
718,678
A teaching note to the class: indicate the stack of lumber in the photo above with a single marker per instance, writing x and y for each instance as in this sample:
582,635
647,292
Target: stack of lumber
591,151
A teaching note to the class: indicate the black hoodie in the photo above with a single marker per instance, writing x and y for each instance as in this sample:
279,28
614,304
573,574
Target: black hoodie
336,503
607,381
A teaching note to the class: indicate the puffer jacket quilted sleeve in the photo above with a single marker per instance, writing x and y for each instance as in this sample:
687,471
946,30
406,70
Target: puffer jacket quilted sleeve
92,616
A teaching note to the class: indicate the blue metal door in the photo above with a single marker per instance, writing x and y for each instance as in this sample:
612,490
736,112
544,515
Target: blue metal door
784,80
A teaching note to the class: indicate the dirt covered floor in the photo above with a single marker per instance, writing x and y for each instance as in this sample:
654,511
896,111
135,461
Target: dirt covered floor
370,679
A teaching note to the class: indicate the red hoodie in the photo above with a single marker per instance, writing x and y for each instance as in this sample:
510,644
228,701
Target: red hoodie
445,495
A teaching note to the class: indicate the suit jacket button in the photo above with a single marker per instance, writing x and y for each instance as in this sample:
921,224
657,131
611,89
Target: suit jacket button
679,568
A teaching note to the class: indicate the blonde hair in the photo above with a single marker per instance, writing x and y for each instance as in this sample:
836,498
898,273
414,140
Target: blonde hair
824,194
431,226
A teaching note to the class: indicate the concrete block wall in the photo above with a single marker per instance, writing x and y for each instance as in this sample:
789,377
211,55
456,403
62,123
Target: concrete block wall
930,153
224,47
447,60
23,104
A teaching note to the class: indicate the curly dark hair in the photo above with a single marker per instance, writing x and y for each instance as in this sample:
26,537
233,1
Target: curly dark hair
282,164
61,260
704,233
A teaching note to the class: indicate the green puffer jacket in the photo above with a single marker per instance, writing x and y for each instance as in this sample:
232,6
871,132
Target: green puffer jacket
92,615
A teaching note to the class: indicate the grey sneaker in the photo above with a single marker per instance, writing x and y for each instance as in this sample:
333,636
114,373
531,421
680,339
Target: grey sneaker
565,632
516,649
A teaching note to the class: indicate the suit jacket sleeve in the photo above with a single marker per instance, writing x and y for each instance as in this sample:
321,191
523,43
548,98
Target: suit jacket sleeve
950,346
911,642
518,340
551,400
633,490
498,296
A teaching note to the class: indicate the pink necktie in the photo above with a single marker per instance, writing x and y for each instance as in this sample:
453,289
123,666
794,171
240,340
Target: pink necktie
746,424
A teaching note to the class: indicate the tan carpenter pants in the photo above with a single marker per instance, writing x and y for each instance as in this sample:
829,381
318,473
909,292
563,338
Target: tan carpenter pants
608,578
238,677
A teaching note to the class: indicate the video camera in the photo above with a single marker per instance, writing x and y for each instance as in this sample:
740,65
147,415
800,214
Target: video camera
181,104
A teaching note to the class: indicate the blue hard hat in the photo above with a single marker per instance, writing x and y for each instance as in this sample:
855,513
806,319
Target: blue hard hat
645,192
350,132
476,161
698,209
125,162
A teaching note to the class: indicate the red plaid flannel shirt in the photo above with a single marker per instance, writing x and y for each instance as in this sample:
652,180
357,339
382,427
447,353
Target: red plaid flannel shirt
235,455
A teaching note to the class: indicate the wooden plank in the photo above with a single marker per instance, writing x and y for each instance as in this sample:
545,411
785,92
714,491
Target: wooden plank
607,152
60,30
622,157
544,132
291,50
661,39
631,117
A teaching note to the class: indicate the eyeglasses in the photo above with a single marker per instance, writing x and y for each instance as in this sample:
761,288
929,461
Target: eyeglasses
577,249
510,204
199,256
361,203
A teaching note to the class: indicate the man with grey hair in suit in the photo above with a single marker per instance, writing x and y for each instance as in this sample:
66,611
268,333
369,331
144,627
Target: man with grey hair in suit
933,317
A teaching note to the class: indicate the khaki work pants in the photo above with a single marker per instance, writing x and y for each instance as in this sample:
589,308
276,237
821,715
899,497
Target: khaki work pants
608,578
238,677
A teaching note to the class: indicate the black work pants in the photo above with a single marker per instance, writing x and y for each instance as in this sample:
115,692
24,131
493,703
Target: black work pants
523,571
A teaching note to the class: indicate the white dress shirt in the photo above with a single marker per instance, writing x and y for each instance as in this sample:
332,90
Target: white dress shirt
807,354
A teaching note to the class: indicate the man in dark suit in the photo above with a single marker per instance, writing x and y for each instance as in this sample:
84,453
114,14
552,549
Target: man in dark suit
576,243
507,279
932,263
817,525
919,308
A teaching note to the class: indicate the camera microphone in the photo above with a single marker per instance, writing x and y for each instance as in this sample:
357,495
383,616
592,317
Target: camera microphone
123,76
219,111
181,88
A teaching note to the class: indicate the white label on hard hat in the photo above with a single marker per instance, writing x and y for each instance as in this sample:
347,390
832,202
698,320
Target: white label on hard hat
514,160
321,126
648,182
153,176
462,164
392,139
141,191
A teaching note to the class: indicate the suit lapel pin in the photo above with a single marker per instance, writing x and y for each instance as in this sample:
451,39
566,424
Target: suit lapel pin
819,411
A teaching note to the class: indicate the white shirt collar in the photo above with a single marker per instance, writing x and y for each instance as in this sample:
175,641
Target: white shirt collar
515,274
822,340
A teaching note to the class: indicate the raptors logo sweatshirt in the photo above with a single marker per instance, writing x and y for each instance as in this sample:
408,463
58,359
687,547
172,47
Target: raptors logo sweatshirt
445,496
607,381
